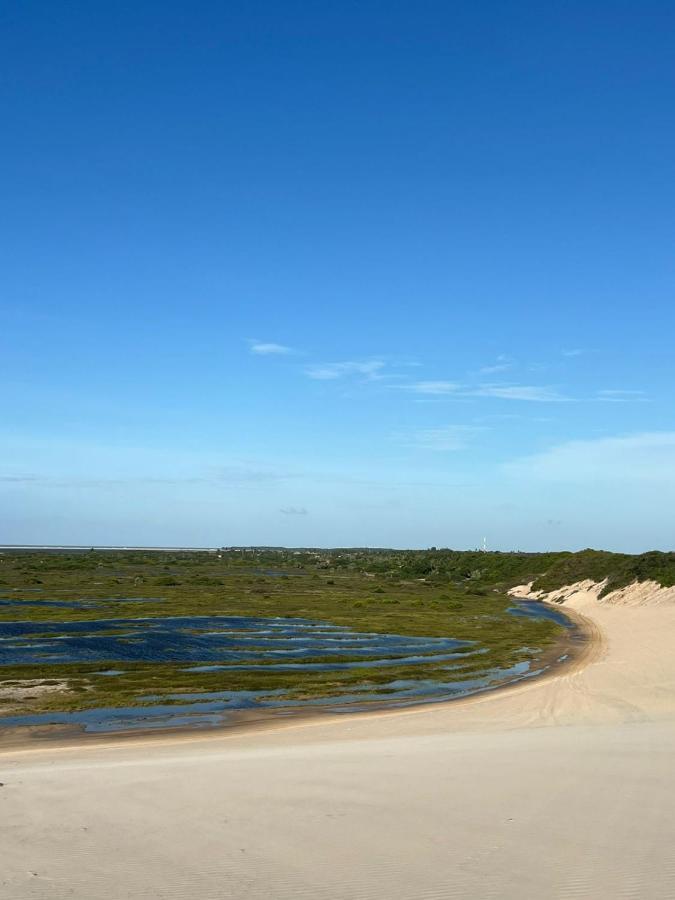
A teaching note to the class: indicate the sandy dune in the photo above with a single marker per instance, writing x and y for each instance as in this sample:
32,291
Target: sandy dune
561,788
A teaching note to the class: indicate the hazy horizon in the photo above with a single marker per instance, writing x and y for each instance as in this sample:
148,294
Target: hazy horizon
214,548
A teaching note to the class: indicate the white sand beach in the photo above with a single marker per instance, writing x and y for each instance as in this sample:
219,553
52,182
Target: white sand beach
558,788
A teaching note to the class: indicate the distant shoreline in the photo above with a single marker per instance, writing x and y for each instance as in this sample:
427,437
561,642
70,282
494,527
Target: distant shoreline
99,548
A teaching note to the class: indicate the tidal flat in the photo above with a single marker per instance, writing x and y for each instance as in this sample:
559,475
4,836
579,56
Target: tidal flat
115,641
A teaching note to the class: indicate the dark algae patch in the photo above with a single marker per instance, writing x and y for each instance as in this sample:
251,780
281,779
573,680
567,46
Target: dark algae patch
121,640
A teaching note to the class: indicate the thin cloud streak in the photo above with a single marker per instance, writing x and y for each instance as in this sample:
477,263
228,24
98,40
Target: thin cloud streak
621,396
269,348
502,364
526,392
519,392
369,370
433,388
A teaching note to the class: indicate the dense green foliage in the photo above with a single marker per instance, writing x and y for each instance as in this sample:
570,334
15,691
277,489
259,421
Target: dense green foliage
618,569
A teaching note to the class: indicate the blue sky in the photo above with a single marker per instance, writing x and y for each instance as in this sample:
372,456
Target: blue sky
395,274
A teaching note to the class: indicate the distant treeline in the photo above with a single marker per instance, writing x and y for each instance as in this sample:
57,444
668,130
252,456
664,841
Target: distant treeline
481,569
548,570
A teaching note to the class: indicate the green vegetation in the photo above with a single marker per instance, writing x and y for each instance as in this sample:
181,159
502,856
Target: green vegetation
426,593
619,569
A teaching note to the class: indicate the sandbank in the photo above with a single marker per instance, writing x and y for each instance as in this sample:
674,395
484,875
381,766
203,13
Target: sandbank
556,788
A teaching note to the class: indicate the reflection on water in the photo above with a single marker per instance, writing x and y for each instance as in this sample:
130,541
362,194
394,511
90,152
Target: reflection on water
246,643
247,640
217,707
535,609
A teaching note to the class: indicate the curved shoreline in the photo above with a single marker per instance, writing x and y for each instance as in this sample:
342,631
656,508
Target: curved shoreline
581,645
560,786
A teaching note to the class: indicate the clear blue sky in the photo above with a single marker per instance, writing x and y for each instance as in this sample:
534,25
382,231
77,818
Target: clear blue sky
395,274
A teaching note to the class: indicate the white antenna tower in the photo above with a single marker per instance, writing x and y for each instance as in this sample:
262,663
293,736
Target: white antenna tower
484,545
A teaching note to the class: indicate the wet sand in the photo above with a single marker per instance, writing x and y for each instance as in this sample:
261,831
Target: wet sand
556,788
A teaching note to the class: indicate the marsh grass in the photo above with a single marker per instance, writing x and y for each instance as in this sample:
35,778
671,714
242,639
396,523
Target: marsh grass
364,593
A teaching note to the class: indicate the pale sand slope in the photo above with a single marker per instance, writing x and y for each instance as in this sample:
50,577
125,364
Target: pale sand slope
559,789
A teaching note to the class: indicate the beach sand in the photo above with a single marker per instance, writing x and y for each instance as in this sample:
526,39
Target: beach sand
557,788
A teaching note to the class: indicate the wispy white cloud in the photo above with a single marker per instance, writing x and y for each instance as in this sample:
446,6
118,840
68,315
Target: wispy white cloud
377,369
621,396
447,437
433,388
268,348
369,369
502,364
646,456
528,392
495,369
499,391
